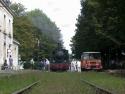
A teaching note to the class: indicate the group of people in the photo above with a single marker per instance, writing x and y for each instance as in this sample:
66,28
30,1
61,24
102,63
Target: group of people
75,66
45,64
9,65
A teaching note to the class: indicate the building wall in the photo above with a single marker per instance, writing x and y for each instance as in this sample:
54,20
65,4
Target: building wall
15,56
6,35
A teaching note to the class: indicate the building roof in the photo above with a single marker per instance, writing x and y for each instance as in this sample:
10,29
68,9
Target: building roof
91,52
7,7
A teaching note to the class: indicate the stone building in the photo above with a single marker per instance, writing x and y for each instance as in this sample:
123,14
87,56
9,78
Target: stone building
8,46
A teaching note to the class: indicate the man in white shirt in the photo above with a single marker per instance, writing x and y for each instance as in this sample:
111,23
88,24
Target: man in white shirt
47,65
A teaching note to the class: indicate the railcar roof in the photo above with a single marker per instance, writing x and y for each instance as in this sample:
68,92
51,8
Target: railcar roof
91,52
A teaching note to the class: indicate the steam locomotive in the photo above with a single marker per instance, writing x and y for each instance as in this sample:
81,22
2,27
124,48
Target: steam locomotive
59,60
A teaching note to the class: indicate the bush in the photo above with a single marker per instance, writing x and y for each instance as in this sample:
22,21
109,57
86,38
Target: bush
38,66
27,65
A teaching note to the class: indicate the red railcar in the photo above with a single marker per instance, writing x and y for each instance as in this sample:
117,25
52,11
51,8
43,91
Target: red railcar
91,60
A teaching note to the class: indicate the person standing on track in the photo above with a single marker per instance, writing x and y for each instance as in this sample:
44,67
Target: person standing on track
47,65
72,66
76,66
5,65
10,62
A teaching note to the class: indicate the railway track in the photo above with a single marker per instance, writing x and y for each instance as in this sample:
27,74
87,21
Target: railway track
25,89
98,90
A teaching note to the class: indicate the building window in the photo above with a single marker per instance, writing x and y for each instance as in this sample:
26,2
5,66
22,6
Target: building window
0,28
4,16
4,40
9,45
9,28
4,23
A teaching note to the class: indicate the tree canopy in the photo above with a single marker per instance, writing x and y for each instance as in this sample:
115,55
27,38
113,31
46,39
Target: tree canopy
100,26
36,33
41,21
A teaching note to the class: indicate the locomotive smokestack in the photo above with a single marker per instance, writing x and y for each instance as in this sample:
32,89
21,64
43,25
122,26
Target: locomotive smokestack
59,46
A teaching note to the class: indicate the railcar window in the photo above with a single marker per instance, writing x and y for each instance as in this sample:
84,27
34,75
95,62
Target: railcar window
86,56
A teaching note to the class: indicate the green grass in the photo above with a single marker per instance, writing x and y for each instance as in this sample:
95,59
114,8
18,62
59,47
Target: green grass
9,84
70,83
61,82
112,83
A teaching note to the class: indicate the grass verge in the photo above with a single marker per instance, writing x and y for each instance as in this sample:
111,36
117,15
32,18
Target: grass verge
112,83
9,84
61,82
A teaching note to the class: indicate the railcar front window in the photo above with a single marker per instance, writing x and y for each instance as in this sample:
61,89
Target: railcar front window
86,56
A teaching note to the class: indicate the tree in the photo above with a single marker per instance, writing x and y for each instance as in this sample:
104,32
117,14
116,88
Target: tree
18,9
24,33
86,38
47,27
34,43
100,27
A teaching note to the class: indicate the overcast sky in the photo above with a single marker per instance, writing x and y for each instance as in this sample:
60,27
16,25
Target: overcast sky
62,12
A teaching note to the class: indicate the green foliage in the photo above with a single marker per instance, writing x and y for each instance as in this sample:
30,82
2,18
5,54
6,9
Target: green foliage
36,33
100,26
24,31
47,27
19,9
27,65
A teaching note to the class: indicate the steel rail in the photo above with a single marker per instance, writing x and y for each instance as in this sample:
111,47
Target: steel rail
99,90
21,91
